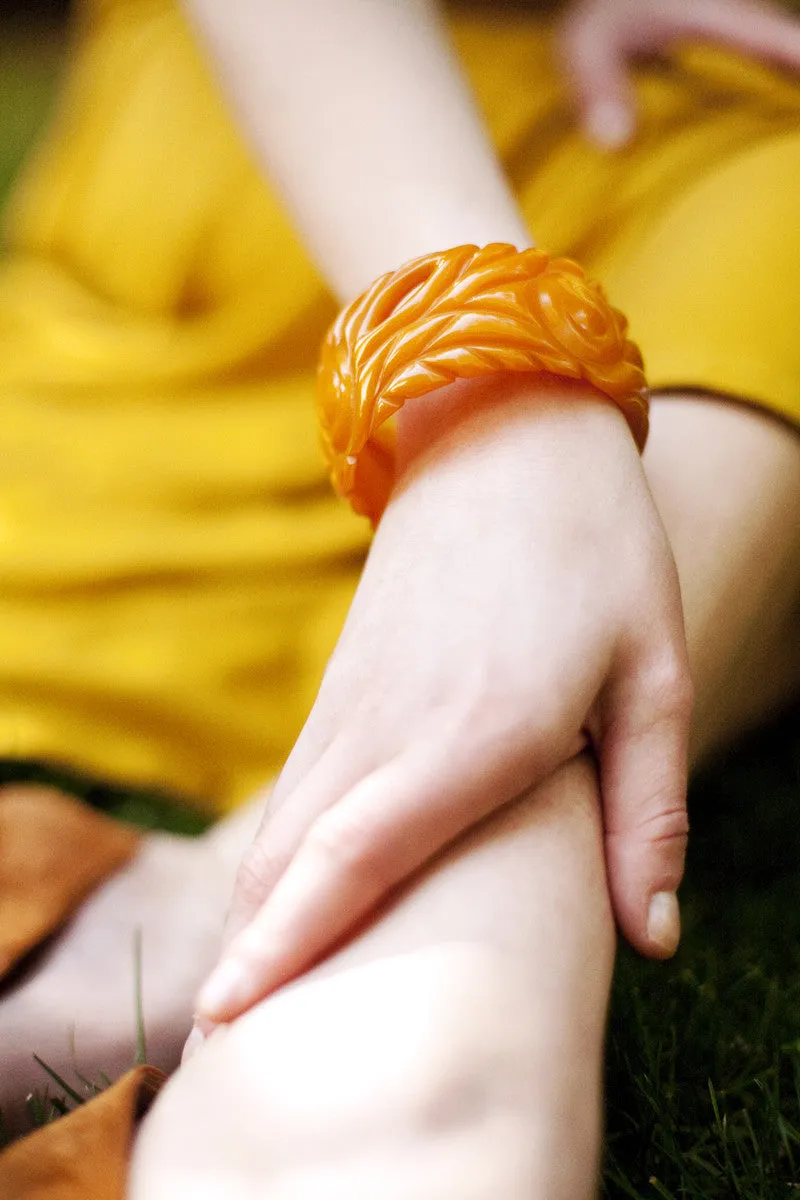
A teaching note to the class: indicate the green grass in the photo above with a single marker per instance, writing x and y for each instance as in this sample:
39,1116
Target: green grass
43,1106
704,1052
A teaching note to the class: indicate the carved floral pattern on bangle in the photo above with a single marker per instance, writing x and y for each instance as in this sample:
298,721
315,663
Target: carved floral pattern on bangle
458,314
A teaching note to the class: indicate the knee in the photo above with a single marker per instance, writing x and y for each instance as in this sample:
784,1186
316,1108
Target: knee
418,1075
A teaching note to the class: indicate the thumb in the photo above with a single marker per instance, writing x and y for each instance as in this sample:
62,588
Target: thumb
643,770
595,65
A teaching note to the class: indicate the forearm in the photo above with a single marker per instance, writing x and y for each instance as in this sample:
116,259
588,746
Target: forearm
452,1049
360,115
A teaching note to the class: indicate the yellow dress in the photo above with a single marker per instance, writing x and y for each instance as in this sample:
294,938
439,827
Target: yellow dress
173,567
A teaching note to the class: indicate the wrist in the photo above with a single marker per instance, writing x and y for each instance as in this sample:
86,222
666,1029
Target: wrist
497,418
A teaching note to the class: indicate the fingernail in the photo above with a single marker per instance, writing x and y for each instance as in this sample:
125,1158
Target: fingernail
193,1043
226,988
664,921
609,124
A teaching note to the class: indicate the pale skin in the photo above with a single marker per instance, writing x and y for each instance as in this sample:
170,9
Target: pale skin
469,698
74,1003
598,38
453,735
455,1047
528,887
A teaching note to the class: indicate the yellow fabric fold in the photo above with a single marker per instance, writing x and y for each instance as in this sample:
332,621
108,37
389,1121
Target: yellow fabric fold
173,567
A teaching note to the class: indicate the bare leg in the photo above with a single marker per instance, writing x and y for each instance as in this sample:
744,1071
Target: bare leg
74,1004
440,1054
727,483
454,1048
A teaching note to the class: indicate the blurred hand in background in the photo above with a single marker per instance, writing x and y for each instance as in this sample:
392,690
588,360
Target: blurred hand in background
598,39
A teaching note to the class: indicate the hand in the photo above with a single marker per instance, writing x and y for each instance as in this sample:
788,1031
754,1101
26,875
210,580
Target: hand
597,39
519,596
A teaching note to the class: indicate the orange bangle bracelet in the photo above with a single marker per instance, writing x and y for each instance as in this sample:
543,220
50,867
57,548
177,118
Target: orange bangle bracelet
453,315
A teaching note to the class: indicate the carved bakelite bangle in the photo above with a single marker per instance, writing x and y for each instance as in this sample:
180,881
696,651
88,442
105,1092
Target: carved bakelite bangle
454,315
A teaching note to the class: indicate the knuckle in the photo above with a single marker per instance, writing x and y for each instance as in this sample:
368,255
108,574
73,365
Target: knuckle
656,842
678,690
666,825
669,684
349,843
660,816
256,873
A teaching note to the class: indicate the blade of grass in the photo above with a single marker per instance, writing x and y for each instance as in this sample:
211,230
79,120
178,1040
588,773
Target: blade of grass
94,1088
141,1036
36,1103
62,1083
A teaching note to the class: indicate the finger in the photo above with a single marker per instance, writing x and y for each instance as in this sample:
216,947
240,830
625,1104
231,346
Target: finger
597,72
758,29
353,857
339,768
199,1034
643,773
277,839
